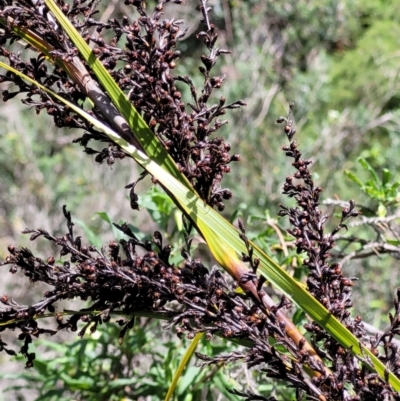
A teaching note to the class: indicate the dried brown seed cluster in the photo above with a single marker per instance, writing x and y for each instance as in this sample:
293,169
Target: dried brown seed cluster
135,277
326,283
141,55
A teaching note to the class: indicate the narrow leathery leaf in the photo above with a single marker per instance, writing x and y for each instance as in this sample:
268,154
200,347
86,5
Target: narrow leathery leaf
37,42
30,37
226,257
143,133
78,73
42,46
225,244
184,362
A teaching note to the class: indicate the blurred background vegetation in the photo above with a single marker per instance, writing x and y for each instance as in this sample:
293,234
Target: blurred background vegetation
339,61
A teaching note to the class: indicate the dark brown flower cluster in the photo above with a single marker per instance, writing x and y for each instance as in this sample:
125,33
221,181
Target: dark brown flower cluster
25,16
141,55
136,278
325,280
147,76
326,283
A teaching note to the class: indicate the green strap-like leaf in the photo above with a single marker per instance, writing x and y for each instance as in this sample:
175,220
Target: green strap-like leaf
185,360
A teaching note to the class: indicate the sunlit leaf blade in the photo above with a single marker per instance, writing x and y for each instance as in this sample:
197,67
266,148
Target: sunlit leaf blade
185,360
30,37
40,45
225,244
144,135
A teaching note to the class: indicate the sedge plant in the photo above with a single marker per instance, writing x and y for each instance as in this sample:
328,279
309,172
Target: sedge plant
115,81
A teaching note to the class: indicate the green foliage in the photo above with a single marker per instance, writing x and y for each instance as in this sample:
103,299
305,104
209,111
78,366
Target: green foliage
162,210
343,80
366,72
381,190
96,368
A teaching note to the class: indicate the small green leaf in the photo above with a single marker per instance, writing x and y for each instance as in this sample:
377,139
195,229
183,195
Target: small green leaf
122,382
105,217
178,220
354,178
369,168
93,238
386,176
382,211
192,372
85,383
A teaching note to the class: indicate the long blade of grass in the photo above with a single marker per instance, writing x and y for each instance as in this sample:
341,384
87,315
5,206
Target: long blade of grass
185,360
226,246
